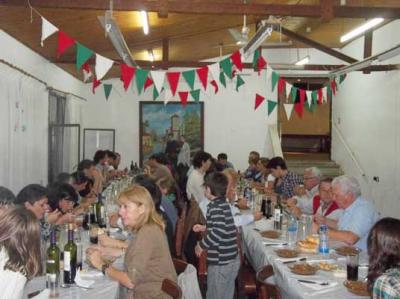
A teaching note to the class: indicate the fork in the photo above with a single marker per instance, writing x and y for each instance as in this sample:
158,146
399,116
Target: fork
323,283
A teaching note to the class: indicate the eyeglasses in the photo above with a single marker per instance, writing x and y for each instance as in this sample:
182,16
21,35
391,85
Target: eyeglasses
309,178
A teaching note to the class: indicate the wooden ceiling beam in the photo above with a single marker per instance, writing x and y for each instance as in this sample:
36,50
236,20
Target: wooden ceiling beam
367,47
210,7
326,10
317,45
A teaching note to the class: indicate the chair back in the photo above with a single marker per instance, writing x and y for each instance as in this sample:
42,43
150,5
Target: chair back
180,265
171,288
180,232
266,290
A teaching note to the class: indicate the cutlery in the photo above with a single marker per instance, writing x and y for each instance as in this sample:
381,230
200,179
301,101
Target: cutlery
66,286
323,283
296,260
276,244
256,229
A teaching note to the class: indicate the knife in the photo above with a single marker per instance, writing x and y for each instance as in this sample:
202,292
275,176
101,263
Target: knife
296,260
323,283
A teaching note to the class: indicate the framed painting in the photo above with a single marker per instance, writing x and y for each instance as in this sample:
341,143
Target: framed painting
161,127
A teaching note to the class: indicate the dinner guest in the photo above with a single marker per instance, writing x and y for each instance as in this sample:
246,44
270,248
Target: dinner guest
155,167
19,251
147,260
325,209
62,197
384,259
7,199
194,187
251,171
88,167
222,159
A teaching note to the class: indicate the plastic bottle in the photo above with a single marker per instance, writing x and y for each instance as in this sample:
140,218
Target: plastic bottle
323,239
292,230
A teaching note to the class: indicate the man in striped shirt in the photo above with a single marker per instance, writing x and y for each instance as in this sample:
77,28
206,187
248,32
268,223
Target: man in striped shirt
219,241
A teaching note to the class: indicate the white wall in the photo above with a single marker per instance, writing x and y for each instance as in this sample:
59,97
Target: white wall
366,113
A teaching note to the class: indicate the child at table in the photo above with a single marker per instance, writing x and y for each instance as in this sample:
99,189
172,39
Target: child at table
220,240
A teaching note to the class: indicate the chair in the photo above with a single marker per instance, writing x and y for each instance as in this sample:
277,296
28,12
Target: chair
187,279
266,290
180,232
180,265
171,288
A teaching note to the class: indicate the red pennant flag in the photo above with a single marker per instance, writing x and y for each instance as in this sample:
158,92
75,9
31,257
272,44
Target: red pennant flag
203,74
320,96
184,96
261,63
173,79
333,87
302,96
258,101
214,83
237,60
64,42
234,73
95,84
298,107
127,73
281,85
148,83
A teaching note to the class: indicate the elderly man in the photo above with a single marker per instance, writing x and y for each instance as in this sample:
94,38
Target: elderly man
304,195
358,216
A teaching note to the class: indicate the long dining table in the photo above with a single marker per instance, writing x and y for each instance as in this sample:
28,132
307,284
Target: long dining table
261,251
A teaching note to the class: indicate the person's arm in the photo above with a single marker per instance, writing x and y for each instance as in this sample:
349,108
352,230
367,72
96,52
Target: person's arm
107,241
347,237
212,236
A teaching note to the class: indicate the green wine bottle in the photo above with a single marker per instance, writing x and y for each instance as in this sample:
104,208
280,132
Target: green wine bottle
278,214
53,258
70,252
100,215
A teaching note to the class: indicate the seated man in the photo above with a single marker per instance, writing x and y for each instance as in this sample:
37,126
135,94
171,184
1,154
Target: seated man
222,159
251,171
155,169
358,216
304,195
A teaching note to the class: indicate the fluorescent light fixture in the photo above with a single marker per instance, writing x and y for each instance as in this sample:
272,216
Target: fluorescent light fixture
145,22
361,29
389,53
150,54
352,67
303,61
262,33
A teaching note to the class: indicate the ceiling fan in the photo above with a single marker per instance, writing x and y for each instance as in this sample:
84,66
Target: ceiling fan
241,37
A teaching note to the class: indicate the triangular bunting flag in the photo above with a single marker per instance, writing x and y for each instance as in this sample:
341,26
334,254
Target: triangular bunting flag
155,93
222,79
236,58
288,89
271,106
341,78
281,85
261,64
127,73
158,79
310,106
167,96
333,87
314,95
256,56
293,94
302,96
148,83
214,83
203,74
82,55
141,76
95,84
196,94
274,79
183,96
288,110
298,107
47,30
258,100
87,72
309,98
64,42
214,70
269,74
226,66
329,93
189,76
325,94
173,79
107,90
320,96
239,82
103,65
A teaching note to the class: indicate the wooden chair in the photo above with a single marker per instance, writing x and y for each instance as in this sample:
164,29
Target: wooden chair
180,265
180,232
171,288
266,290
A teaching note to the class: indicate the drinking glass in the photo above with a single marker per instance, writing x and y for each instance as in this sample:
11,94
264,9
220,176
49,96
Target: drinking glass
352,266
52,285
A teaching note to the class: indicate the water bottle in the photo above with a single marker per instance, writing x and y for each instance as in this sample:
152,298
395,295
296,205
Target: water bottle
323,239
292,230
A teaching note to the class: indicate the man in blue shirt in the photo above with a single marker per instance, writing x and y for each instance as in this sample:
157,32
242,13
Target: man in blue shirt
358,217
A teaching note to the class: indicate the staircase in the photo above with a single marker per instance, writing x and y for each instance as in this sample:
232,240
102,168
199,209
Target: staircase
298,163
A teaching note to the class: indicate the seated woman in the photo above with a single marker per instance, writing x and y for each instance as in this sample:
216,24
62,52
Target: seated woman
147,260
62,197
19,251
7,199
384,259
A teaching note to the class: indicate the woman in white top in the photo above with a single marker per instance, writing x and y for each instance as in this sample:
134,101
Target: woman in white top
19,251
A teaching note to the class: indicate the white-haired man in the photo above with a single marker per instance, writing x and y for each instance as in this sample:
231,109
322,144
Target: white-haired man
358,217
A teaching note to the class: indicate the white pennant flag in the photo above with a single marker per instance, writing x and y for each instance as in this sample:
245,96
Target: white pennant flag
309,97
288,110
324,94
103,65
158,79
47,30
269,73
167,95
214,70
288,89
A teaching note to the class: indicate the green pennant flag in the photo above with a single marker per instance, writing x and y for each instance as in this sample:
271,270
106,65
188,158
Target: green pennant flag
195,94
189,77
239,82
256,56
310,107
329,92
155,93
341,78
293,94
226,66
82,55
274,79
222,79
314,96
107,90
271,106
141,76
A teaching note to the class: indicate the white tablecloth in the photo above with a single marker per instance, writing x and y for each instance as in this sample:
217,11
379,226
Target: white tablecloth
260,255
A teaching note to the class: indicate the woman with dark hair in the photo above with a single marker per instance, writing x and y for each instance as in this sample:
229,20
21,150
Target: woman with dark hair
62,197
384,259
19,251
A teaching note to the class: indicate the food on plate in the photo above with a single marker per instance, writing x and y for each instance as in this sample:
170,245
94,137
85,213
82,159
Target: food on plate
327,266
287,253
309,244
303,269
272,234
347,250
357,287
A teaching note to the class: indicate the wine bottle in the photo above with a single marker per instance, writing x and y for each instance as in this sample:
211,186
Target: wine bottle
278,214
70,251
100,214
132,167
53,257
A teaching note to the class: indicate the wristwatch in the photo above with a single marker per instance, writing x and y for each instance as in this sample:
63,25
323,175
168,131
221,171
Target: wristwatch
104,267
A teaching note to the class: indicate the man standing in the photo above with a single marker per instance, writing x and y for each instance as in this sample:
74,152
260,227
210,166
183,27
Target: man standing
194,187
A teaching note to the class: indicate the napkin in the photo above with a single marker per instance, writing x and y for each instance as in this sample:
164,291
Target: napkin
42,295
273,241
81,281
264,224
319,288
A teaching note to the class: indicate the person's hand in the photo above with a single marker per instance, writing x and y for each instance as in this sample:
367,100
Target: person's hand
106,241
291,202
66,218
197,228
53,217
198,250
242,203
315,228
107,251
296,211
257,216
299,190
319,219
113,219
94,257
